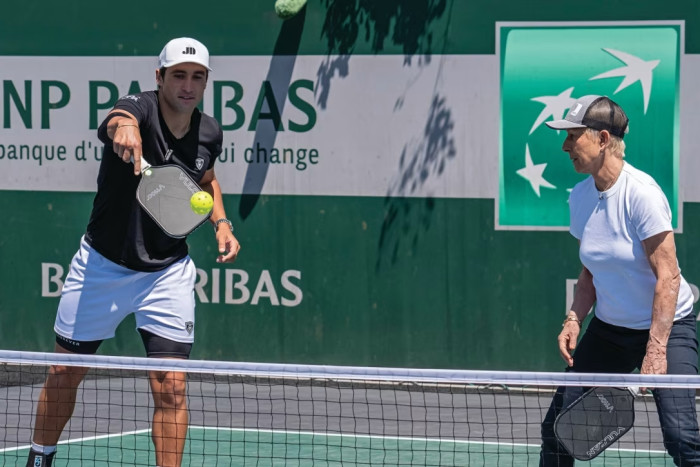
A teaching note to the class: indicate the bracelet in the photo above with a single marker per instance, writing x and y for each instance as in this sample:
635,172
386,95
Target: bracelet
223,221
571,318
117,113
127,124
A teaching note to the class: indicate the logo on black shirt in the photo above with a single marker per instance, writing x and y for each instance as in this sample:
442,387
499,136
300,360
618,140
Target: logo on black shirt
199,163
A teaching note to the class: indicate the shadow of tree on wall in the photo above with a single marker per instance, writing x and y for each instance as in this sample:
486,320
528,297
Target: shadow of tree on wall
405,218
279,75
409,24
406,23
347,19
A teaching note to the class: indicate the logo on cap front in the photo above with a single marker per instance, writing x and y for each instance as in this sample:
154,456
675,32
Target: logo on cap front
189,51
636,65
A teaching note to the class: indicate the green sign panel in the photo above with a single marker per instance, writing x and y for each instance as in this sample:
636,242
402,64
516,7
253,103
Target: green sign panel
544,69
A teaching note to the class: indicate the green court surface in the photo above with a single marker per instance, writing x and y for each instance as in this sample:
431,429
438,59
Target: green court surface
213,447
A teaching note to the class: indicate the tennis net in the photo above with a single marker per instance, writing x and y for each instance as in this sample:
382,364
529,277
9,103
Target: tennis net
277,414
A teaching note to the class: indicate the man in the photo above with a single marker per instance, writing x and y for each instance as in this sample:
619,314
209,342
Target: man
644,307
126,263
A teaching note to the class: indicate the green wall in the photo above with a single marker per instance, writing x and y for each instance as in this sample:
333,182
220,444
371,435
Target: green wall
435,287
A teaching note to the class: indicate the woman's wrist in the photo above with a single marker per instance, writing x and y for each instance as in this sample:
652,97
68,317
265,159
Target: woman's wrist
571,317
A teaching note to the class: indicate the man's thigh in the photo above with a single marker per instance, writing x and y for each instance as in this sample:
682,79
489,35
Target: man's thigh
166,302
95,298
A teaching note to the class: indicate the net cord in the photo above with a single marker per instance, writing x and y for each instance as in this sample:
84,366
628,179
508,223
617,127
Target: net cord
476,377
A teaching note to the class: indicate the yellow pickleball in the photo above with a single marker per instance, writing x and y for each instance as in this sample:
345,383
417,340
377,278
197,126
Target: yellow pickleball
201,202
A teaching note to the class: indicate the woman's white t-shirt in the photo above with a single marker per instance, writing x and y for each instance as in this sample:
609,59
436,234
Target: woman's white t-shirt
610,226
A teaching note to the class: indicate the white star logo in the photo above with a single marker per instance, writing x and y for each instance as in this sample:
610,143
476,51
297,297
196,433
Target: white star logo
555,107
636,70
533,173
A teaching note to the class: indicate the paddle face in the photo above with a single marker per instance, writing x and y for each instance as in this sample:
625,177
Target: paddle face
594,421
164,192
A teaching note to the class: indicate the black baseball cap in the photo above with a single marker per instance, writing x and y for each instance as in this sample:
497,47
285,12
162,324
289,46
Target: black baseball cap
597,112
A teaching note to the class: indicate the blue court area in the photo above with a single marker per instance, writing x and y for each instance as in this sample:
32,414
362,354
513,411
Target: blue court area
224,446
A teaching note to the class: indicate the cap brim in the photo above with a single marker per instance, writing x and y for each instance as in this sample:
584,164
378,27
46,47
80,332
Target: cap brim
177,62
563,125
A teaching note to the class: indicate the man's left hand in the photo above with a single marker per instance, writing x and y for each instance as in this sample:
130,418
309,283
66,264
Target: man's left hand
228,245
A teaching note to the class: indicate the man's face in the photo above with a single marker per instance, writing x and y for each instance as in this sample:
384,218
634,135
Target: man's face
182,87
584,150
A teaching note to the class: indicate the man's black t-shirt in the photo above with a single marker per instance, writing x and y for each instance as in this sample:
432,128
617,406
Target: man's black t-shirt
119,229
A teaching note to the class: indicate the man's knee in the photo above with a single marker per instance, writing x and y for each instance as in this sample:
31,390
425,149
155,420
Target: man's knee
65,377
169,389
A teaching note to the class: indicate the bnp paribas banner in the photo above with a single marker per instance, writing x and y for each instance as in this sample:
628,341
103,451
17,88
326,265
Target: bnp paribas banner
291,127
544,69
286,131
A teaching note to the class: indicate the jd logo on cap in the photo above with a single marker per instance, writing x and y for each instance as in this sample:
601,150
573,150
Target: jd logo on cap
189,51
544,69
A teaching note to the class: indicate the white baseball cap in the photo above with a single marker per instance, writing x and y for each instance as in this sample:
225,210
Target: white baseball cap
184,50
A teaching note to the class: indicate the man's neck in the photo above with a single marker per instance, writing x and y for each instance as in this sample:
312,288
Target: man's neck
178,122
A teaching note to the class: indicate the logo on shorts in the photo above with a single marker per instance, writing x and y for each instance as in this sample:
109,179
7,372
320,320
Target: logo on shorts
68,341
199,163
189,326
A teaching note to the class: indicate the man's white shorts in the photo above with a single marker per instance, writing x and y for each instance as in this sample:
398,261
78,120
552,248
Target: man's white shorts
98,294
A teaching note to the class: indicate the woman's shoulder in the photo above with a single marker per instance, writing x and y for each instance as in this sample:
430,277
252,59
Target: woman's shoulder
638,178
582,187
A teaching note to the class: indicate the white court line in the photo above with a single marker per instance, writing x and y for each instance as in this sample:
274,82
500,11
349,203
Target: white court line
401,438
80,440
328,435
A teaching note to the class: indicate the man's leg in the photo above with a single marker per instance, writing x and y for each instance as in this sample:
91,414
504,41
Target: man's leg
170,417
169,388
93,285
676,407
165,319
56,402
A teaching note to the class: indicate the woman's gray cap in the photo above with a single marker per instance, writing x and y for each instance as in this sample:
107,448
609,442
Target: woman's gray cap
597,112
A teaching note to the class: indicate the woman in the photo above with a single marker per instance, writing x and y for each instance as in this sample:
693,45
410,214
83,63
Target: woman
644,307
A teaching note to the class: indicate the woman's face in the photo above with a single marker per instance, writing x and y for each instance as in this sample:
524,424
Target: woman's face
584,150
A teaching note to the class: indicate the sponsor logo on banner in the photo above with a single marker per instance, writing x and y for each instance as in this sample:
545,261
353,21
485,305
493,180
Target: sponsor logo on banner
230,286
544,69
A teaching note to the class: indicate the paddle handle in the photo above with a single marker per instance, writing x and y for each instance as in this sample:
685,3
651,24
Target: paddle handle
144,163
